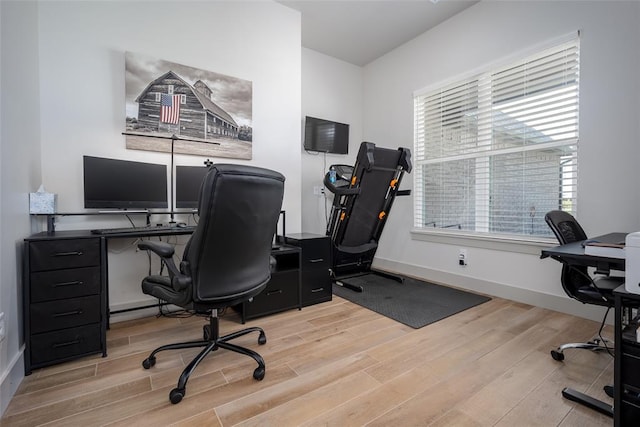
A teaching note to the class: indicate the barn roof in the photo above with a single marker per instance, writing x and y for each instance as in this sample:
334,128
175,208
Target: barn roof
211,106
207,103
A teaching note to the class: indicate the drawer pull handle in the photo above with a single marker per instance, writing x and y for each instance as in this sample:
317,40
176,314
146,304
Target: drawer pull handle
317,290
316,260
68,313
66,344
72,253
74,283
277,291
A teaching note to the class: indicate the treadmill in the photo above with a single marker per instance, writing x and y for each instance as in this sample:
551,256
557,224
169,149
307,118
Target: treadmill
363,197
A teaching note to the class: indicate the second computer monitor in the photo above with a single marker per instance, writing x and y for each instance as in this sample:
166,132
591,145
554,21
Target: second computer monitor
188,182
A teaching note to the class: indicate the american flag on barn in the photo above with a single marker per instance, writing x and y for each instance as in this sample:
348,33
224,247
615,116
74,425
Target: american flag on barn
170,109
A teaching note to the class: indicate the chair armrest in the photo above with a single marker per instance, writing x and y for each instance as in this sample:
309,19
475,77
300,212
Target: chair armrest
165,251
162,249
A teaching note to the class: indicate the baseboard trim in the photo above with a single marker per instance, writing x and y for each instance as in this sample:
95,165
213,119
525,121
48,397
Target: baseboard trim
11,379
527,296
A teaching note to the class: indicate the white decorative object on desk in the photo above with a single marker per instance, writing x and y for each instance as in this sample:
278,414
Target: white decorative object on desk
42,202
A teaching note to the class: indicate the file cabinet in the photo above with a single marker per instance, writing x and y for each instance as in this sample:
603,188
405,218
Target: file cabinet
65,307
282,291
315,266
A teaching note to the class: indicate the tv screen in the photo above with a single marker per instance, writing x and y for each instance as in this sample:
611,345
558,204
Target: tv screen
123,184
326,136
188,181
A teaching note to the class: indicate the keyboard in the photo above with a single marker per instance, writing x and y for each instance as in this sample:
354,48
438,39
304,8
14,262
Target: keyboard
140,230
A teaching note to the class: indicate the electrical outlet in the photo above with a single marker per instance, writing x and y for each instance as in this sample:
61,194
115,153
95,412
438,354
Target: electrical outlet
318,190
2,327
462,257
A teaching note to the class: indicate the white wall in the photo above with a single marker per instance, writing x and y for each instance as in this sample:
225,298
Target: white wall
82,99
19,171
332,90
609,112
63,97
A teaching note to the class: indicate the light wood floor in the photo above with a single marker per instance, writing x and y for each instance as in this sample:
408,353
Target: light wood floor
333,364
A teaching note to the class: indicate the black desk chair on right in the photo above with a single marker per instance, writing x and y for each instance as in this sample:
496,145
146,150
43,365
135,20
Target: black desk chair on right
227,260
579,284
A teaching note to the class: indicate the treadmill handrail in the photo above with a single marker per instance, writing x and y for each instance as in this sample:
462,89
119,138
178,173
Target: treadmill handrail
340,191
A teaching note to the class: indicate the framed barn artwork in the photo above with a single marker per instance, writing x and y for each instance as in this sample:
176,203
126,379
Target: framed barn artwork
200,112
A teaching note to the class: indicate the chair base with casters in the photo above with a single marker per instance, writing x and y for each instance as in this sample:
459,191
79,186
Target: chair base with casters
596,344
598,292
211,342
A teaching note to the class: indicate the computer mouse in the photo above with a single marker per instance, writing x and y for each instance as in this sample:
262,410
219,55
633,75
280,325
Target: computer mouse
181,225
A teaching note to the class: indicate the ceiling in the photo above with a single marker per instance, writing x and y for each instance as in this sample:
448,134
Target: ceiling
359,31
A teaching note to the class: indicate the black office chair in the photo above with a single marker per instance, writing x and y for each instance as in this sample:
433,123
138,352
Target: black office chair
579,284
226,261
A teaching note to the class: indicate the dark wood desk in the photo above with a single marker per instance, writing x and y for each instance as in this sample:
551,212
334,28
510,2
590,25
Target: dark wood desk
573,254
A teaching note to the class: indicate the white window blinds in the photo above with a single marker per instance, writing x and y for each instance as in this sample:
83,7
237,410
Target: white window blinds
495,152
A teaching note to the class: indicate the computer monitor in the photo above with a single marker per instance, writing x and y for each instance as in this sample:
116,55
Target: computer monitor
124,184
188,182
326,136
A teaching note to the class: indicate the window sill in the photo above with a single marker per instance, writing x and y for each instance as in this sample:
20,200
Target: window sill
507,243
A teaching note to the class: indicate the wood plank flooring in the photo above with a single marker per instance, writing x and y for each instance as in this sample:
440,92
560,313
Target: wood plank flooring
333,364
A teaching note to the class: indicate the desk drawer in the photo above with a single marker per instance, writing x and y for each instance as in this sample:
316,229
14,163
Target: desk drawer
630,370
53,347
280,294
59,254
52,315
316,253
315,263
629,413
316,286
64,284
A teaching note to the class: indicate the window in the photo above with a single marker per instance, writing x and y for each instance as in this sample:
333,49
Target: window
496,151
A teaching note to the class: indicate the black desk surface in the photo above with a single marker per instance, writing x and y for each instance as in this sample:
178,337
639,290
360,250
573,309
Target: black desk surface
147,232
573,253
87,234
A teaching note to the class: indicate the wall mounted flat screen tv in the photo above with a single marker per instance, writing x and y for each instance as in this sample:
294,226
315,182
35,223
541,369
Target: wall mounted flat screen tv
326,136
188,182
123,184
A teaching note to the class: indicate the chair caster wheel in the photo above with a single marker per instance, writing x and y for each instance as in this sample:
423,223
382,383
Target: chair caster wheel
262,339
608,389
176,395
206,333
149,362
258,374
557,355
